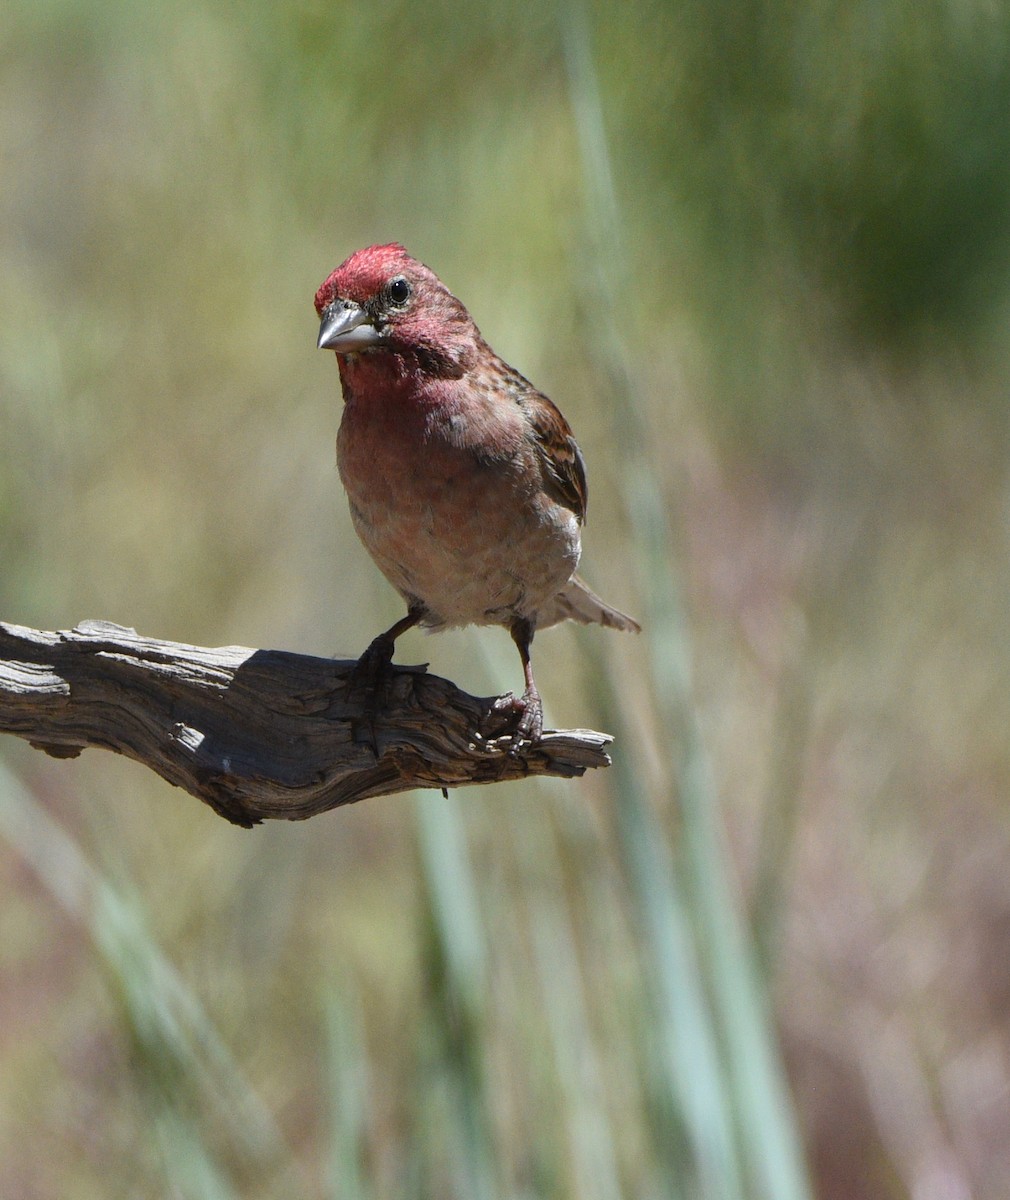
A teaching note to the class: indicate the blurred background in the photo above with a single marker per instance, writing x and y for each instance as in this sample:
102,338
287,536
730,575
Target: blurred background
759,254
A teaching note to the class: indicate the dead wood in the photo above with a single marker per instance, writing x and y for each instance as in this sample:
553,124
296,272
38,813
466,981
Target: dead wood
261,734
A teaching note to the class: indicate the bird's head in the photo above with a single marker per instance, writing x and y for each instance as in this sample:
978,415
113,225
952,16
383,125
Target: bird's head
380,301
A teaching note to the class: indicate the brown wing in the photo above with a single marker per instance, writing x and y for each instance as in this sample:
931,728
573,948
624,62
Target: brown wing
560,456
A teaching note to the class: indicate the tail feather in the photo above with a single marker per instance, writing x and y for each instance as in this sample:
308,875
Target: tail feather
576,602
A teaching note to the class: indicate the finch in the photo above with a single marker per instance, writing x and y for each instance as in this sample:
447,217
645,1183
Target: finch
465,483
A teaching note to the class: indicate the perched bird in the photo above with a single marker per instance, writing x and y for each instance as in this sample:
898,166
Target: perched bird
465,483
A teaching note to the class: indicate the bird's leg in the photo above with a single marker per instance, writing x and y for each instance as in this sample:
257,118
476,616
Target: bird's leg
370,676
529,706
379,654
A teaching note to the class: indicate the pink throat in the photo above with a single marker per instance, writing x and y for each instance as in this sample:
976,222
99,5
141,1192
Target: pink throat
392,382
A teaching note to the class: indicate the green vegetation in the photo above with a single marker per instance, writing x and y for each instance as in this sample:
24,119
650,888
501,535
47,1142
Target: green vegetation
759,254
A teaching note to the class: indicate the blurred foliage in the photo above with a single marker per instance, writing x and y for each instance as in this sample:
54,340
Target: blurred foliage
758,252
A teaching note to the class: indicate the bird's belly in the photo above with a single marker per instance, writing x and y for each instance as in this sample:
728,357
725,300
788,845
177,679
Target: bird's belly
463,537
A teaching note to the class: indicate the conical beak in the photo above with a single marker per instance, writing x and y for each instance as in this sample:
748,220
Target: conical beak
346,327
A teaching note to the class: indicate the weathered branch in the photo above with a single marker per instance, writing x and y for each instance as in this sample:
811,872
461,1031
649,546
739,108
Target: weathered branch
260,734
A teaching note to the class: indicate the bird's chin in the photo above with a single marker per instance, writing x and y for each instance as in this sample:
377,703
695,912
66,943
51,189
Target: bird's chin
355,355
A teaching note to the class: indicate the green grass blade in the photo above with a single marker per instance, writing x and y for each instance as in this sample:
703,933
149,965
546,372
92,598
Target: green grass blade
186,1073
456,968
347,1076
579,1073
763,1122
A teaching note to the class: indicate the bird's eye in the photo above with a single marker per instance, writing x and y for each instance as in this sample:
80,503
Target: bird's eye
399,290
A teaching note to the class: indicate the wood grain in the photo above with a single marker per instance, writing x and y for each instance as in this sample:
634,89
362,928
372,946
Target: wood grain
261,734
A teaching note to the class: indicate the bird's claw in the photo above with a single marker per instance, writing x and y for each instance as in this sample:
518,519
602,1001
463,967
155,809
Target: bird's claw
527,717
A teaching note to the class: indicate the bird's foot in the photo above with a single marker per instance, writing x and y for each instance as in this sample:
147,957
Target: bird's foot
527,711
368,687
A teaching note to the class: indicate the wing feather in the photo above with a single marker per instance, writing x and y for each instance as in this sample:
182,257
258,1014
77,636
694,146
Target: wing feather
563,466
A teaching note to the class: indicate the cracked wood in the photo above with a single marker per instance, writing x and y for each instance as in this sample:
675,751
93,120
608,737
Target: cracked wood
260,734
